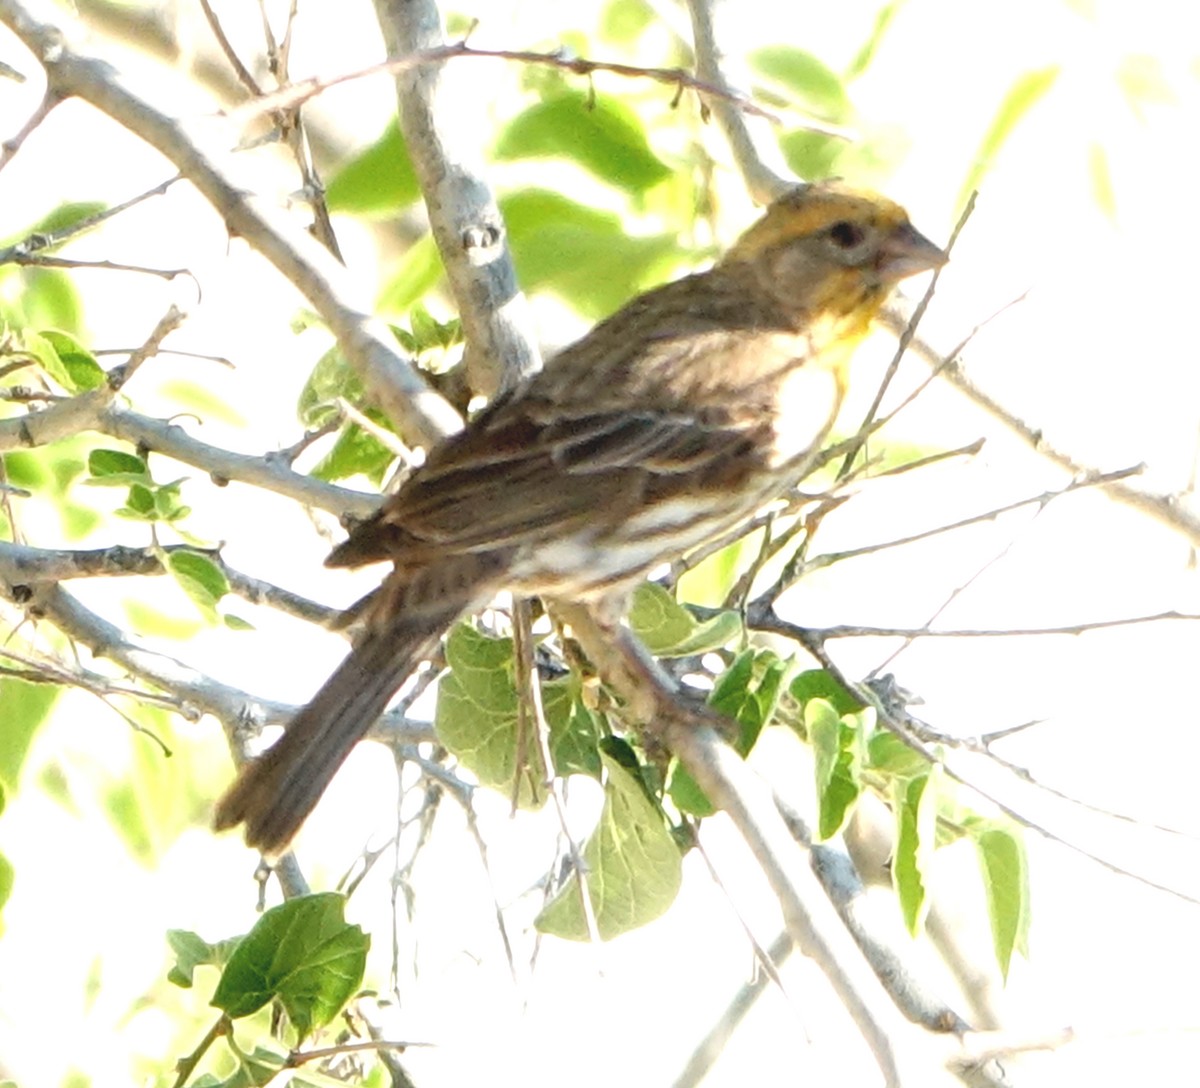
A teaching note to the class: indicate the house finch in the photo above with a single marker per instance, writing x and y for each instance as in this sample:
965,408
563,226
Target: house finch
670,422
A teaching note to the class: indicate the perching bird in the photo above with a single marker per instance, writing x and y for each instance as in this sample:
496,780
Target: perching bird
670,422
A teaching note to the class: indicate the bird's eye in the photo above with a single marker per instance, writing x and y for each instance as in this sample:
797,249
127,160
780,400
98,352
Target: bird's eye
846,235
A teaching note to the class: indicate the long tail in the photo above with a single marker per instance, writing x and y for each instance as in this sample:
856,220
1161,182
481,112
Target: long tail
274,794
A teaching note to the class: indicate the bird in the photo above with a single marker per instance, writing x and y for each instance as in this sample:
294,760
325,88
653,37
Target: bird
669,423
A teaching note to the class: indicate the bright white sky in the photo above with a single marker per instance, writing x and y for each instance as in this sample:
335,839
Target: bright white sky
1100,354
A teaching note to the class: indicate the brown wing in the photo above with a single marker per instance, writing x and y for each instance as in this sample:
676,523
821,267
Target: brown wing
634,413
517,481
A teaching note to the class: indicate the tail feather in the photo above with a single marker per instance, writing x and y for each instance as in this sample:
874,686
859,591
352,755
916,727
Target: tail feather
274,794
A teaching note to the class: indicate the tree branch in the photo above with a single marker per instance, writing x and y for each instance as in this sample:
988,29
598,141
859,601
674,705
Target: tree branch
97,411
463,214
715,25
200,151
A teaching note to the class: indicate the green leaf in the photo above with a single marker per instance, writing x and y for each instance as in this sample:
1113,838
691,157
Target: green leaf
48,358
139,503
633,866
379,179
819,684
585,255
192,951
1006,885
356,452
62,218
166,502
302,952
25,707
810,80
916,838
116,468
833,739
332,378
477,719
668,629
1024,94
599,132
748,692
574,731
83,372
200,578
886,752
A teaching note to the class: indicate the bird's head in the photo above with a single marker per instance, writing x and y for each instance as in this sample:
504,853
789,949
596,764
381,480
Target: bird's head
826,249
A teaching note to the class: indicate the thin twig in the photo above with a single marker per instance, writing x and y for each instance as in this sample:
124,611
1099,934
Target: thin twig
906,336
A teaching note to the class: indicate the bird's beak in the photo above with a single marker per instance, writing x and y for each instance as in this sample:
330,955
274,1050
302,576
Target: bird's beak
907,252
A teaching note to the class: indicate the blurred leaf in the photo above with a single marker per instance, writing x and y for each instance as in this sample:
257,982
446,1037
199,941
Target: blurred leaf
1024,94
415,275
583,254
811,155
304,953
915,807
1101,178
668,629
813,83
599,132
158,799
40,298
1006,885
1143,82
7,876
379,179
25,707
633,866
866,53
199,399
833,740
622,21
709,581
146,619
